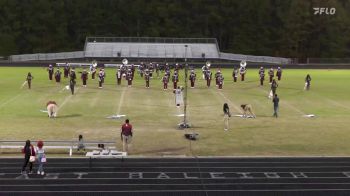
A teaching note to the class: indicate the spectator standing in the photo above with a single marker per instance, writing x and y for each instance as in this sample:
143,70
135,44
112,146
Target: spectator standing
41,157
126,134
29,153
81,145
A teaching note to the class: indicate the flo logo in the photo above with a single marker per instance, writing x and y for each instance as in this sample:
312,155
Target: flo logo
324,11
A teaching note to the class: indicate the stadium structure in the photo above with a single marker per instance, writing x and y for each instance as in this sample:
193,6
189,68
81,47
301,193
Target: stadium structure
149,48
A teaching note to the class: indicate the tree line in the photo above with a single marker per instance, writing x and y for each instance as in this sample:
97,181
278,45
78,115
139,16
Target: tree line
287,28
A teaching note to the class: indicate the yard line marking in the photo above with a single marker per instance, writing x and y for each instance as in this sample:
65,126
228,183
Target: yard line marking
94,101
227,100
121,100
66,100
8,101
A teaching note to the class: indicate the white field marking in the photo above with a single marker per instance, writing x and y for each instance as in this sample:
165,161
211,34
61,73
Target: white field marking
286,103
121,100
94,101
227,100
8,101
336,103
66,100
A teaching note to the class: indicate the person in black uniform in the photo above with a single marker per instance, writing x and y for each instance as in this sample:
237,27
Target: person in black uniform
274,86
192,78
58,75
29,80
307,82
84,77
208,76
279,73
235,74
50,70
262,77
66,71
147,77
72,82
101,77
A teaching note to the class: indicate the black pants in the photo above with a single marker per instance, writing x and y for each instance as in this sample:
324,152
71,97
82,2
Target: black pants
71,86
26,161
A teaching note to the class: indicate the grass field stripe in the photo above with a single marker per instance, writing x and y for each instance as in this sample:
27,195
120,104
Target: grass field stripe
66,100
121,100
228,100
10,100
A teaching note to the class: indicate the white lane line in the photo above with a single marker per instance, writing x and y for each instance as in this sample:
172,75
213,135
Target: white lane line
9,100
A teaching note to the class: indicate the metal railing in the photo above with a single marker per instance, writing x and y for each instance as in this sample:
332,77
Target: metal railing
151,40
47,56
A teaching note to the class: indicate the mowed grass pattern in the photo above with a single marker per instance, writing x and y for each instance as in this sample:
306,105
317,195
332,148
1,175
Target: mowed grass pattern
153,113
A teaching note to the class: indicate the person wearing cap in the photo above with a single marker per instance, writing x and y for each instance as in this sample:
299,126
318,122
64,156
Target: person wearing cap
192,78
126,135
271,74
84,77
101,77
147,78
175,79
220,80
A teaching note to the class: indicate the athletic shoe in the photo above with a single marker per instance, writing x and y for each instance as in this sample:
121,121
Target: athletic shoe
38,172
42,173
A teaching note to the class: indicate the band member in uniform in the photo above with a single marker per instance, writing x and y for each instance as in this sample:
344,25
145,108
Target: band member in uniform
157,68
93,72
279,73
165,80
204,71
271,74
307,82
192,78
274,86
178,96
175,79
247,108
29,80
133,70
129,77
66,71
101,77
150,70
58,75
147,78
242,72
217,74
235,74
141,67
220,80
208,76
261,70
119,77
72,81
262,77
50,70
84,77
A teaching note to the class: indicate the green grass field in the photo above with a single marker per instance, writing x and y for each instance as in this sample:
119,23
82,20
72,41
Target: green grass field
153,114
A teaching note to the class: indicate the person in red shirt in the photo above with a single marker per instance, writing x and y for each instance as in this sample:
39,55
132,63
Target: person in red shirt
126,134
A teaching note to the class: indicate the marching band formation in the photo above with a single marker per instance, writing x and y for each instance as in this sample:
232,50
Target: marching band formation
154,70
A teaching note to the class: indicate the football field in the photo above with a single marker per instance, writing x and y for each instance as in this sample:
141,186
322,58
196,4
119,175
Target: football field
153,113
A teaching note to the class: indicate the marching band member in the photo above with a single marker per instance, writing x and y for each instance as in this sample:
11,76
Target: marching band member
242,72
157,68
271,74
133,70
217,74
178,96
307,82
274,86
128,77
66,70
84,77
150,70
119,76
262,77
220,81
141,67
50,70
204,71
208,76
101,77
93,72
261,70
175,79
279,73
58,75
147,78
235,74
165,80
72,81
29,80
192,78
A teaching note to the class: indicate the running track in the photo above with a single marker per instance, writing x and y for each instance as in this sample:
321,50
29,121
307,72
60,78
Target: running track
180,176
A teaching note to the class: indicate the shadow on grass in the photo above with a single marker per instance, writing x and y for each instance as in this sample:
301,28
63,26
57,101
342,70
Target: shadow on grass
69,116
